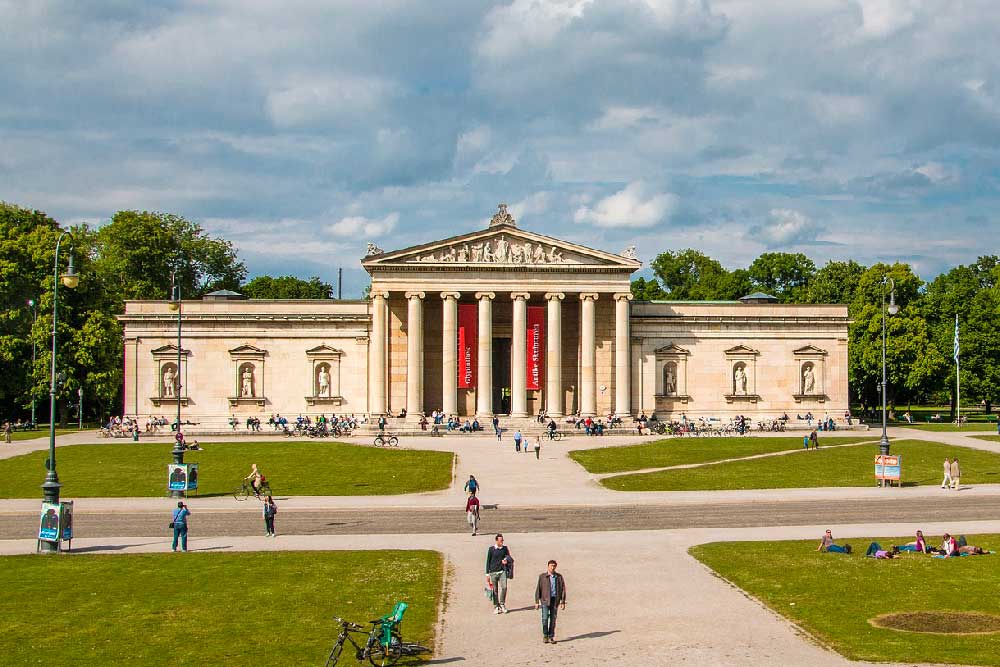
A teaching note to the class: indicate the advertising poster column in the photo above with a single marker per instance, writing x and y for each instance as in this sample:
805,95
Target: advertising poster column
48,527
177,477
535,356
468,341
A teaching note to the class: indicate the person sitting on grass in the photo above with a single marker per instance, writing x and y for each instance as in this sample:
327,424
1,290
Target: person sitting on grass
970,550
827,544
920,545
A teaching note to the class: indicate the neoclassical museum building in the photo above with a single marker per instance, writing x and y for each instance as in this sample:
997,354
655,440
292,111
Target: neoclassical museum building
496,321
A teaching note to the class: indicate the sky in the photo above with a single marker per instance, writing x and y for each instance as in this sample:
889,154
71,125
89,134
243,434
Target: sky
863,129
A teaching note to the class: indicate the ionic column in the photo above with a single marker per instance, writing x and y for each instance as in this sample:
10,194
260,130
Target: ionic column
449,352
376,365
518,356
588,354
414,354
623,374
484,386
553,354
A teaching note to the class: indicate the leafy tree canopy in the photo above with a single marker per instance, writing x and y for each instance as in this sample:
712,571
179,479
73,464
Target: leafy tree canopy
784,275
287,287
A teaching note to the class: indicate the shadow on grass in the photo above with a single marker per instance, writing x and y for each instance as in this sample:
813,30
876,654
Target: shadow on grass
109,547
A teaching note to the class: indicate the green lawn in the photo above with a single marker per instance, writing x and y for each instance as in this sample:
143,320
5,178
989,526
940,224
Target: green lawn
833,596
989,438
273,608
975,427
293,468
678,451
42,432
834,466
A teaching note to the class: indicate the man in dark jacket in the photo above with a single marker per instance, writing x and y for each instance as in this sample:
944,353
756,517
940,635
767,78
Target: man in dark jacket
499,568
550,594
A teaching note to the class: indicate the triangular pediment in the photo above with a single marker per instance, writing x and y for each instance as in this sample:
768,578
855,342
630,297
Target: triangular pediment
168,350
247,351
671,349
500,246
810,351
741,350
323,351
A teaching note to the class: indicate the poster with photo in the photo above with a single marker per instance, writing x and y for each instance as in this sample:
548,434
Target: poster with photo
192,477
177,477
48,527
66,520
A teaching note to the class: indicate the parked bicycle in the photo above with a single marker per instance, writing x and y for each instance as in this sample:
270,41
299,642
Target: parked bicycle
384,644
386,440
246,490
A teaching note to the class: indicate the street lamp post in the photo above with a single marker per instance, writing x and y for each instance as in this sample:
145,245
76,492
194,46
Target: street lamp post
79,409
883,444
34,347
175,304
51,486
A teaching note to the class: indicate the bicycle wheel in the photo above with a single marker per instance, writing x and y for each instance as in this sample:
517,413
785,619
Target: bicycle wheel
381,656
393,441
338,648
557,435
265,489
379,441
240,493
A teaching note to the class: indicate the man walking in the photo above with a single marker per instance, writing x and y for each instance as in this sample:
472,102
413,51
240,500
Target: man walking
946,482
498,563
517,440
6,432
472,513
550,595
496,427
956,474
538,446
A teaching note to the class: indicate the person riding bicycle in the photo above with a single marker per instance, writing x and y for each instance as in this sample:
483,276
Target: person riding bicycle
552,427
256,479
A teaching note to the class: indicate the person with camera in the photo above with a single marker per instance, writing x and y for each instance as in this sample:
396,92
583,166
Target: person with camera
180,526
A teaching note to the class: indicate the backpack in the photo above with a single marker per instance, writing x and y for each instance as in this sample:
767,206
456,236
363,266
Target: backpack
473,486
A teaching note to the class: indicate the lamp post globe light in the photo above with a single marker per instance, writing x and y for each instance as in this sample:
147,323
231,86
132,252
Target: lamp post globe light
883,444
175,305
51,486
34,348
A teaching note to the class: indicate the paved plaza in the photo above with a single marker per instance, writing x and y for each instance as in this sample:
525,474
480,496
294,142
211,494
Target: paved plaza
634,594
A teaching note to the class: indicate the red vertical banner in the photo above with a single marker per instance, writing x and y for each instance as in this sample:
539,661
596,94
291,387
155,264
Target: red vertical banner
468,341
535,340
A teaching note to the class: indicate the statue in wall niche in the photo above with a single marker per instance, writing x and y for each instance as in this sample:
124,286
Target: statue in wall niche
808,380
246,389
538,256
324,382
669,380
463,252
740,381
477,252
502,248
169,382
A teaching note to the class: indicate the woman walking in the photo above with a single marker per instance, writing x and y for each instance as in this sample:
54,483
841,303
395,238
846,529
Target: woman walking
180,526
270,509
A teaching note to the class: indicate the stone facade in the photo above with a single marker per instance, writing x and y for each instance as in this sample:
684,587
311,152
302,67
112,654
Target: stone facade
602,351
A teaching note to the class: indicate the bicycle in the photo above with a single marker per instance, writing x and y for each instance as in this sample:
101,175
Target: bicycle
384,645
555,435
246,490
386,440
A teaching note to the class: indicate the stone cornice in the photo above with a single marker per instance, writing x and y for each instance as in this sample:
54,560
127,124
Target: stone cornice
241,317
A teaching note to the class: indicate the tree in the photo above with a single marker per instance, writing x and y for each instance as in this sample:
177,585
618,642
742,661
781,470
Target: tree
648,290
690,275
835,283
137,251
784,275
287,287
913,362
971,292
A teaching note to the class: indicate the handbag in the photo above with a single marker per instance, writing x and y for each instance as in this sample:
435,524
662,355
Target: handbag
170,525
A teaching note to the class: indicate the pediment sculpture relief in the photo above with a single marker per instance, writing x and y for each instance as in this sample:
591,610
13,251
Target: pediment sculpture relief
496,251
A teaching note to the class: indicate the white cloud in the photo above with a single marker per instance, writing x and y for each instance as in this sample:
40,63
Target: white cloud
325,98
938,173
358,225
534,204
881,18
630,207
786,227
